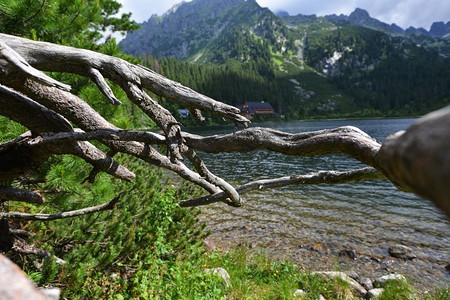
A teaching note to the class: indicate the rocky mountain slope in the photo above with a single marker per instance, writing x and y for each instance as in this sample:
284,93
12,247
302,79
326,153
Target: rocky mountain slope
303,65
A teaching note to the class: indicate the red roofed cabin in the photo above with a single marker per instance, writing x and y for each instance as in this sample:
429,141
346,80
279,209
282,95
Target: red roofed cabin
249,109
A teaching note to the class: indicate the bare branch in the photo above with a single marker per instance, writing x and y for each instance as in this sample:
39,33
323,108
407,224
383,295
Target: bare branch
21,233
40,119
62,215
11,194
225,186
103,134
97,77
197,114
16,61
51,57
348,140
321,177
22,247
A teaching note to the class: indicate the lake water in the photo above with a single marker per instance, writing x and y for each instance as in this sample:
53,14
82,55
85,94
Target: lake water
311,224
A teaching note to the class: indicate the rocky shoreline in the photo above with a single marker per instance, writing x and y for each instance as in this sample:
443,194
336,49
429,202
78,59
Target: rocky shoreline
400,262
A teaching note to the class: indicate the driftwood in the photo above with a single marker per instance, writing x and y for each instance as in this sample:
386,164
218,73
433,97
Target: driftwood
417,160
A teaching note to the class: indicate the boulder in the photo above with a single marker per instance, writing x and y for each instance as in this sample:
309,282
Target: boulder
353,274
380,282
353,283
366,283
375,293
401,251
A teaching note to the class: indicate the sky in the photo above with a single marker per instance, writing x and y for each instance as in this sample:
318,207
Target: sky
405,13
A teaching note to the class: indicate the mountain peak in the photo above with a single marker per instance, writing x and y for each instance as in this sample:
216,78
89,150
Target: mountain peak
440,29
189,26
359,17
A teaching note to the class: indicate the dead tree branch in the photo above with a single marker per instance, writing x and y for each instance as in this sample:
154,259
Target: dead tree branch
62,215
11,194
46,107
347,140
321,177
21,246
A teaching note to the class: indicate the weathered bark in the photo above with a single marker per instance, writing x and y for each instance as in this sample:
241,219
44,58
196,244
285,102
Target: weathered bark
321,177
15,284
347,140
418,159
11,194
62,215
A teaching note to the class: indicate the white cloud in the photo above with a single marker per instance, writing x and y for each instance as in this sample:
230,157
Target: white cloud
143,9
405,13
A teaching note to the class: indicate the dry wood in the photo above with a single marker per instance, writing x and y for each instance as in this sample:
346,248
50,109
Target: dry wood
321,177
11,194
417,160
62,215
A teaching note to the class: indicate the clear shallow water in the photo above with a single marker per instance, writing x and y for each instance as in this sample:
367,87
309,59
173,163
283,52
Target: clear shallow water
310,224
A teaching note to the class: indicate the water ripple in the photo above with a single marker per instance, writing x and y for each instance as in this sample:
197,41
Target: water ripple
367,216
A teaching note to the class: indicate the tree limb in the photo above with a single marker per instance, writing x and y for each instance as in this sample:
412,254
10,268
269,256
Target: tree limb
233,197
321,177
101,135
348,140
62,215
97,77
11,194
18,62
57,58
21,246
40,119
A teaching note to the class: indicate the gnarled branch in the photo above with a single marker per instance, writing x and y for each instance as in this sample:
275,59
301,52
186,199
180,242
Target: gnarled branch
321,177
62,215
347,140
428,138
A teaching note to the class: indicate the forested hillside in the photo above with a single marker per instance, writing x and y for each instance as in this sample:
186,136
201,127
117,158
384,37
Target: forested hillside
305,66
